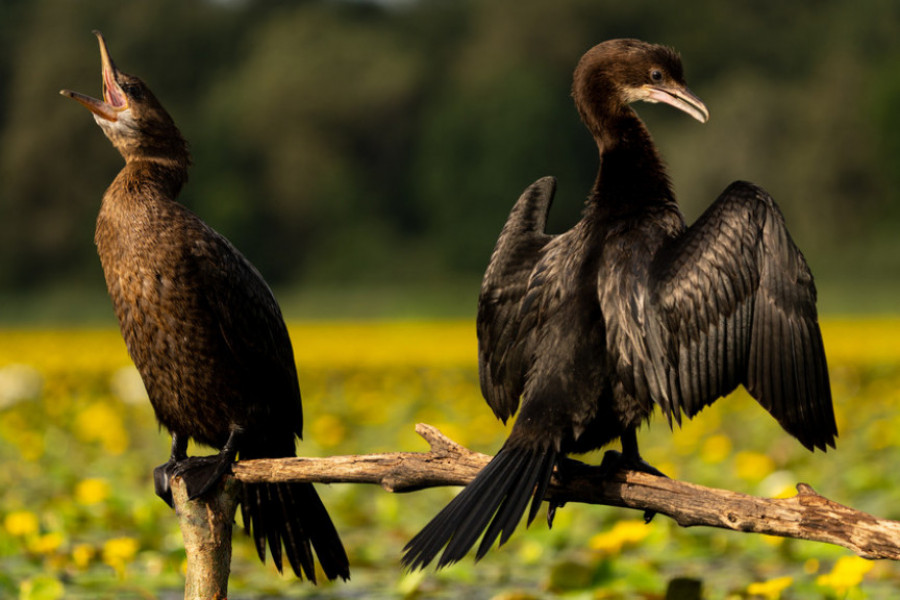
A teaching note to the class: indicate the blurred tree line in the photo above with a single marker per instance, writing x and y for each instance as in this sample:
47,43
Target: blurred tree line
350,141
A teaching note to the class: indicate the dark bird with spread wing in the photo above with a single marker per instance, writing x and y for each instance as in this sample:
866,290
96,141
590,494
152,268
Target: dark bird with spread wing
203,329
585,332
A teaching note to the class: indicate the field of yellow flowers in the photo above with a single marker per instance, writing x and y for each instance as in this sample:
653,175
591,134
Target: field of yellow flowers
78,442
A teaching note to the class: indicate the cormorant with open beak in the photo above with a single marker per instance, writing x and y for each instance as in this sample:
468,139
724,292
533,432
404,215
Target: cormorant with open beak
203,329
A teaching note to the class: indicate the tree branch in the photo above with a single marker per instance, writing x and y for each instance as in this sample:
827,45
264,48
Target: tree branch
806,516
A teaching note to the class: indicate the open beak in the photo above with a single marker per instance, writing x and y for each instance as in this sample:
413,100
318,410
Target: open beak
114,99
680,97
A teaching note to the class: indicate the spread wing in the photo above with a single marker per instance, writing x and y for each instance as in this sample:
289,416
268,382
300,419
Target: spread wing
732,301
502,345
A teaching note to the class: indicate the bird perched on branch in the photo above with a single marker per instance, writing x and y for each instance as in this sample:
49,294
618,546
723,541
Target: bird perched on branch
584,333
203,329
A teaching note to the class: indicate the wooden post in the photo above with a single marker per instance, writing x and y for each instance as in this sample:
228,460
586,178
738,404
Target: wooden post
206,528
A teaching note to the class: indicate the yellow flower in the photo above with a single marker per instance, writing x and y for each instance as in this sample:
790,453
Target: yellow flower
98,422
847,573
622,533
21,523
384,344
47,543
811,566
82,554
771,589
118,552
715,449
91,491
753,466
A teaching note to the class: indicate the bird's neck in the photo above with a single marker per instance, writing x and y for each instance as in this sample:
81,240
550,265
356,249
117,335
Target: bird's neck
631,173
141,192
140,185
163,175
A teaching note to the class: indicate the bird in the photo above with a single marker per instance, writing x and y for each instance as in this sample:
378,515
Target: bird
585,332
203,329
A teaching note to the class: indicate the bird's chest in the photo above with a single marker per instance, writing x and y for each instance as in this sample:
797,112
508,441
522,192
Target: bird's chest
569,329
146,279
625,288
162,318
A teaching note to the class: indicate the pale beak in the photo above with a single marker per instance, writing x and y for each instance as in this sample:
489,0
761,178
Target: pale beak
679,97
114,99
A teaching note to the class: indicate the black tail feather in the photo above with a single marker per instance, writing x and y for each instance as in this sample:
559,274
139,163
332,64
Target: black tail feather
543,480
476,512
297,547
495,499
510,512
292,515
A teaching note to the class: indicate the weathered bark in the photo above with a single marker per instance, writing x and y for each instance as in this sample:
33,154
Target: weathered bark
206,528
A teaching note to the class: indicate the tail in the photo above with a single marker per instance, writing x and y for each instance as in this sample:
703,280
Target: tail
493,502
293,515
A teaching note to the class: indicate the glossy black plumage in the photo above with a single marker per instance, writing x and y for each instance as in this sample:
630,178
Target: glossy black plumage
630,309
203,329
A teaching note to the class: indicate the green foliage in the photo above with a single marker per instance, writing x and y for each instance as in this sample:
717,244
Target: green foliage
366,142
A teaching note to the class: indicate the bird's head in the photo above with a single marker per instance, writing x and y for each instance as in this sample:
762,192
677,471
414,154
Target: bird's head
130,115
615,73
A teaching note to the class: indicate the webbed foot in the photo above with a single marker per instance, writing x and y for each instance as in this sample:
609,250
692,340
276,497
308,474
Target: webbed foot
629,460
201,473
615,461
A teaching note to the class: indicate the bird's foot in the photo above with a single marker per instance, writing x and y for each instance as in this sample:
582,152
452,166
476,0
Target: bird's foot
161,477
201,473
614,461
566,468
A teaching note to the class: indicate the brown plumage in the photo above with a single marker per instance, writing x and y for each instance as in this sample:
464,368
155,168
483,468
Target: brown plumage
203,329
630,309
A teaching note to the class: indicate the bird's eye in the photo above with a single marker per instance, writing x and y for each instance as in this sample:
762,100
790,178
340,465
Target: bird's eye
656,75
133,91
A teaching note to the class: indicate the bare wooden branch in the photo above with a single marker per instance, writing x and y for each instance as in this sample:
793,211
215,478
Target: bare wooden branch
806,516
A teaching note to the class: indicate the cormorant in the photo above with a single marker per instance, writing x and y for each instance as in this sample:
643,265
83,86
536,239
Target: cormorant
203,329
630,309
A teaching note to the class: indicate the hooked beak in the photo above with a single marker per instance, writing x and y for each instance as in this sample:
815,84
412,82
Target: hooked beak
680,97
114,99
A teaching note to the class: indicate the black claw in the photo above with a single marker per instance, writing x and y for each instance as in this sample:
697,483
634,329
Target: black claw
551,512
566,469
161,476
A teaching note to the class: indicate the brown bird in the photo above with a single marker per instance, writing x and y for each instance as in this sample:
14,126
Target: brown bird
628,310
203,329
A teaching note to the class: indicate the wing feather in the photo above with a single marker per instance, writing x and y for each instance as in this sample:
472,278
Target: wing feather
503,323
733,302
250,323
